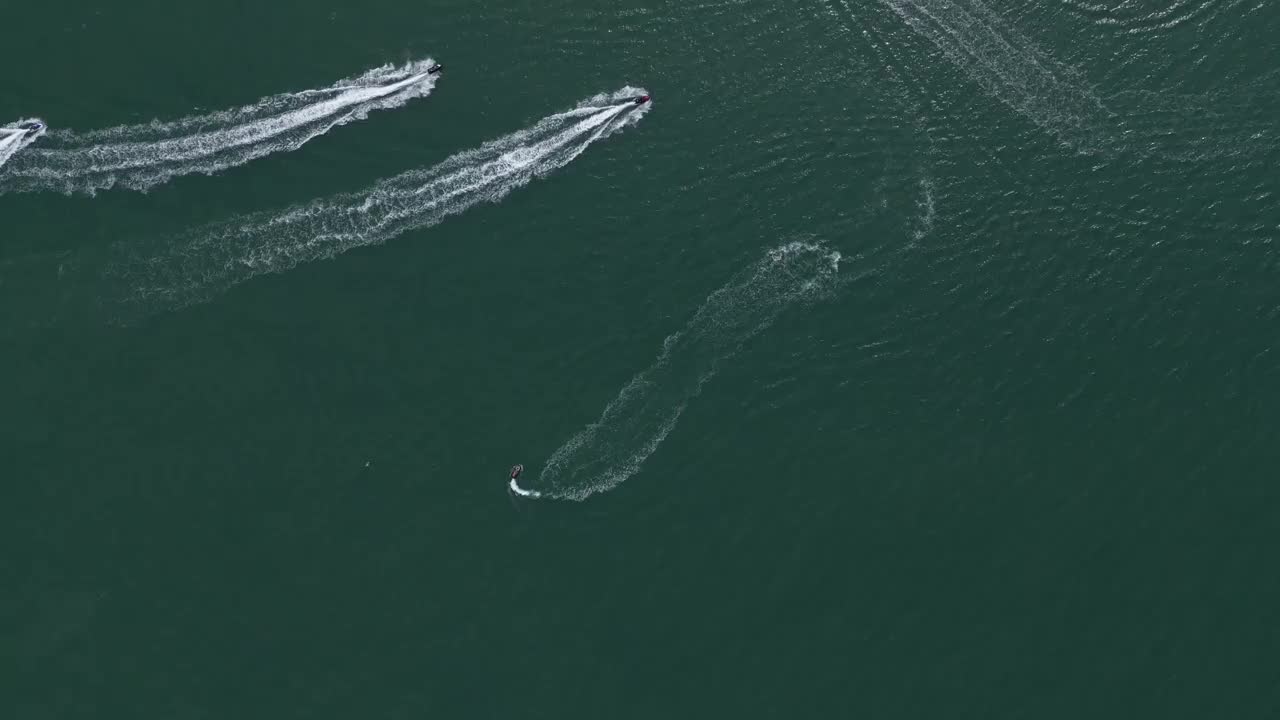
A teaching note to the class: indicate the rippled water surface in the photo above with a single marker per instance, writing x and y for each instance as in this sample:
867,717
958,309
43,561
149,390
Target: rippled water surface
908,358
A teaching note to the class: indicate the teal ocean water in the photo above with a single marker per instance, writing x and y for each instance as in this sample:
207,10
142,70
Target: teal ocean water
900,359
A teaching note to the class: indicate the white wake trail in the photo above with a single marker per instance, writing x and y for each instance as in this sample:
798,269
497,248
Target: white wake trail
515,488
608,451
9,143
14,138
213,259
1011,68
142,156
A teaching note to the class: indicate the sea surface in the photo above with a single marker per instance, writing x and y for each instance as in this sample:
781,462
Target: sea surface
900,359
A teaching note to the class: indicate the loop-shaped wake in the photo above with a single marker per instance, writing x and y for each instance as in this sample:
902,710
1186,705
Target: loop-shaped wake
140,157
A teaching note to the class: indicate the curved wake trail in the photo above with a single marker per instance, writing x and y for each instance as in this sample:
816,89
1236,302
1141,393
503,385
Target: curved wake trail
140,157
215,258
14,138
608,451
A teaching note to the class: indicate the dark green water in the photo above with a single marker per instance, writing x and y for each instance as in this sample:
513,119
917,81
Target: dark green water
1011,461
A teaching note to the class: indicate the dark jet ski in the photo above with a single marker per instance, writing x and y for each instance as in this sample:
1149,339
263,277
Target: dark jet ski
640,99
515,486
31,127
434,69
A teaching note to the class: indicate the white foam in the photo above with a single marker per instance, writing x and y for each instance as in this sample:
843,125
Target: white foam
608,451
212,259
515,487
9,140
142,156
928,209
14,138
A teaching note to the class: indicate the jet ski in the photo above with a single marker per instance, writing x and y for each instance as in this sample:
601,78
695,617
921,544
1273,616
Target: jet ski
515,485
640,99
434,69
13,138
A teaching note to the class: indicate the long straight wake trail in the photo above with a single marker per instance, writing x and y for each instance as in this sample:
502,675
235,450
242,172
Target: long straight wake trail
140,157
212,259
608,451
1010,67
